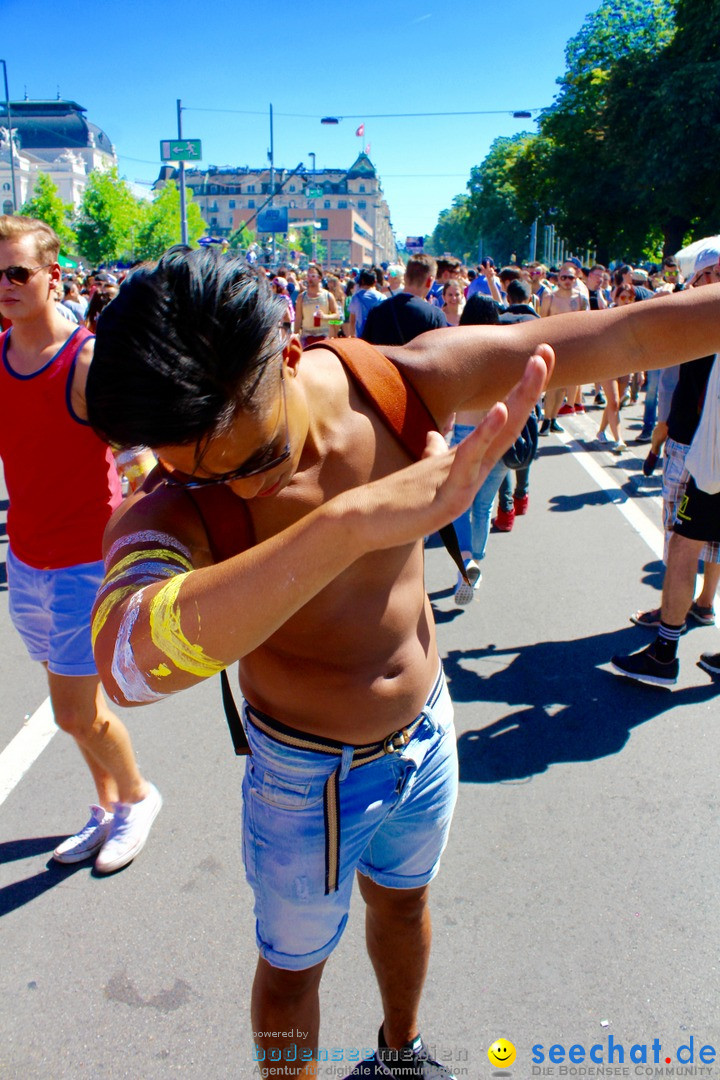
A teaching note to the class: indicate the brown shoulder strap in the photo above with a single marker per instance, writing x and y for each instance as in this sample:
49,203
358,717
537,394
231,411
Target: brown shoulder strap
397,401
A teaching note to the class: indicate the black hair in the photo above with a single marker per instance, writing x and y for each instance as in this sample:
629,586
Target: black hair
619,273
518,291
367,278
479,311
98,302
183,345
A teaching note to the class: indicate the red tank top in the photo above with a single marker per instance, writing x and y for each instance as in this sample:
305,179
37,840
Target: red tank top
61,478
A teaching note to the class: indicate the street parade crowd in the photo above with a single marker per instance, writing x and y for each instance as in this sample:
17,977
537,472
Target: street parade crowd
261,453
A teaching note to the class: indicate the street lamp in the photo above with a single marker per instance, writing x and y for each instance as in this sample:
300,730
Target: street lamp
10,143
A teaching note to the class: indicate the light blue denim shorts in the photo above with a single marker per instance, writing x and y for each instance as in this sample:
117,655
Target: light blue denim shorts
50,609
388,817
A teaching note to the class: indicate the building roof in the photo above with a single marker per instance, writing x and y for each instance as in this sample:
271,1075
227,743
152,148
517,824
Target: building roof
362,167
44,125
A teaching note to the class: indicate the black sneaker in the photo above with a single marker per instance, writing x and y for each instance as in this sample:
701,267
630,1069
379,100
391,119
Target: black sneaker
600,399
554,426
545,427
710,662
644,667
412,1062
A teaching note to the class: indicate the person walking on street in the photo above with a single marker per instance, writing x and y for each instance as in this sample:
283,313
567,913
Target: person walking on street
58,512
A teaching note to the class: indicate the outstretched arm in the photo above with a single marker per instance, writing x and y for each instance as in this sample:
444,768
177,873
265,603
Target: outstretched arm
470,367
165,619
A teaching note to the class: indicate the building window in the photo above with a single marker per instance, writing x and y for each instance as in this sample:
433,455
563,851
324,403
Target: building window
362,204
340,251
323,224
361,188
213,221
7,206
292,204
251,204
213,189
342,204
231,204
6,187
326,204
292,187
251,189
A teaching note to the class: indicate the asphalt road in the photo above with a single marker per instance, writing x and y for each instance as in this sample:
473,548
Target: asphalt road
577,904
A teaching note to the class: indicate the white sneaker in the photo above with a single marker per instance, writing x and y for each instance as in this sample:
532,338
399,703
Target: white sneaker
464,592
619,447
89,840
130,830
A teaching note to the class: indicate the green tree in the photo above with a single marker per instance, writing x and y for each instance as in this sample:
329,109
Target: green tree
241,239
582,177
306,234
46,205
160,226
665,122
495,214
454,232
109,220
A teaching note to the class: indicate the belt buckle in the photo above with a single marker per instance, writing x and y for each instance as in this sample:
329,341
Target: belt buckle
395,741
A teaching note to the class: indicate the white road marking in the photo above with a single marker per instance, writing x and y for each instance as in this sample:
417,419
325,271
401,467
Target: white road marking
651,534
26,747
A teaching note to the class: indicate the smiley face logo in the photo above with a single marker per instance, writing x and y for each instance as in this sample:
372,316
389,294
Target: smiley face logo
501,1053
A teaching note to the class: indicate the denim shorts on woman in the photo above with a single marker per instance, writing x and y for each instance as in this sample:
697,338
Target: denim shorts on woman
394,817
50,609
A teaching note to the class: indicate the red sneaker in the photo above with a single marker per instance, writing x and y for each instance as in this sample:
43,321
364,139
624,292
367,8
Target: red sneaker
566,410
579,408
504,521
521,505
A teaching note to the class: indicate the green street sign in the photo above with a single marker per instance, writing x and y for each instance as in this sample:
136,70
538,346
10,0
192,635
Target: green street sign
180,150
313,193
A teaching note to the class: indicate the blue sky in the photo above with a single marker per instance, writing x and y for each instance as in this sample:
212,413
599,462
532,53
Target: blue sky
128,62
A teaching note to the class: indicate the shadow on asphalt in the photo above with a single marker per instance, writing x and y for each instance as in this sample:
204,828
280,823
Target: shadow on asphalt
559,706
22,892
653,574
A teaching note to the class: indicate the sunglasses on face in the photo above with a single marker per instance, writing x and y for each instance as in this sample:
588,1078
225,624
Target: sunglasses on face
20,275
248,469
567,277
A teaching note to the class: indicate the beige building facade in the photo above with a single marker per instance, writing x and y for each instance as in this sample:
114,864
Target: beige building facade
350,212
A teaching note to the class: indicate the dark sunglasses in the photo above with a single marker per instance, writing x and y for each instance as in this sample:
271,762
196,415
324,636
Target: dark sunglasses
20,275
243,471
566,277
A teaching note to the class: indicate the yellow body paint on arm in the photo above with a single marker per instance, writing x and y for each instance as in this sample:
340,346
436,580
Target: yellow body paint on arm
167,633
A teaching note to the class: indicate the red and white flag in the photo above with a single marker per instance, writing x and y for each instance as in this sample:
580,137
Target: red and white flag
360,131
367,148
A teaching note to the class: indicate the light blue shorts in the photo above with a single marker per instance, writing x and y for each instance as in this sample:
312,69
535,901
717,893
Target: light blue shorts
393,818
50,609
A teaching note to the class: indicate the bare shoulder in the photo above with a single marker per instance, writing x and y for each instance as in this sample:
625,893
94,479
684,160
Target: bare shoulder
82,367
437,365
163,516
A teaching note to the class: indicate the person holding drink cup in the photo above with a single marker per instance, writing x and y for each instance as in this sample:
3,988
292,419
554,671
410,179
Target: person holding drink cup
316,310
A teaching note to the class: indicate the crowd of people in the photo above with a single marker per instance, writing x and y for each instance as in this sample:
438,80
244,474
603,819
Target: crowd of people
309,433
391,305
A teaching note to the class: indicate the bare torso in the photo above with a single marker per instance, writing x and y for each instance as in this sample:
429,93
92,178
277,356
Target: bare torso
357,661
